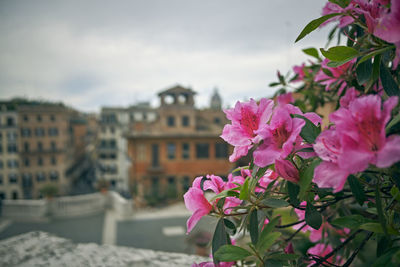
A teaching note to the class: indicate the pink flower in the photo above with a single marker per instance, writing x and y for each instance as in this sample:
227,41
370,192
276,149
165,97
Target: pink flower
328,173
289,249
284,99
350,95
211,264
197,203
214,183
320,250
247,118
287,171
299,70
331,8
361,128
281,135
338,74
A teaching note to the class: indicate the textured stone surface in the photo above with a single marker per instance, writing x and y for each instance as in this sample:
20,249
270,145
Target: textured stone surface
43,249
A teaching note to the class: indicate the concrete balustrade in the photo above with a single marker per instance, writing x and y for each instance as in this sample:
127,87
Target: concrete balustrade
66,207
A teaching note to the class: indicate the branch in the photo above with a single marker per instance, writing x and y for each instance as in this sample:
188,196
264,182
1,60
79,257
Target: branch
290,224
350,260
295,233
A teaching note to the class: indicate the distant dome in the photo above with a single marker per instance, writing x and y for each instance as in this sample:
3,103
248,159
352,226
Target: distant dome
216,102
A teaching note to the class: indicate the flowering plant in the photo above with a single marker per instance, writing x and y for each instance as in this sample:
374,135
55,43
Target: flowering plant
317,195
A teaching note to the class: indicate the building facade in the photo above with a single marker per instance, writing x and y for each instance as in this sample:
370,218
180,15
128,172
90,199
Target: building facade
182,143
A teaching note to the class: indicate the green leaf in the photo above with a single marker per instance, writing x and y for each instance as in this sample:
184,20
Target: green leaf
309,131
227,193
375,68
313,217
372,227
244,191
293,190
275,203
364,72
306,176
389,84
261,172
265,243
335,64
220,238
267,230
253,227
306,149
393,122
272,263
281,257
231,253
230,225
379,208
351,221
340,53
341,3
357,189
311,52
314,24
374,53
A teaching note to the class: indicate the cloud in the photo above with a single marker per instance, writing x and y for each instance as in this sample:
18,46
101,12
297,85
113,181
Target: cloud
90,54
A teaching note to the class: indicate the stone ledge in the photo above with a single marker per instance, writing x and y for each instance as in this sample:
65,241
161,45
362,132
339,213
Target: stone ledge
44,249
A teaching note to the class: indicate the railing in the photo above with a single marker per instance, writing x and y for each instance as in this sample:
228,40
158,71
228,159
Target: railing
21,209
66,207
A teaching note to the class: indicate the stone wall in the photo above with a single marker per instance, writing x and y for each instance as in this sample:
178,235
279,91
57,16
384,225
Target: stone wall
43,249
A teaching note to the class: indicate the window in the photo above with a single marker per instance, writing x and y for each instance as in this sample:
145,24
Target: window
171,150
217,120
52,117
1,164
10,121
14,195
53,175
53,146
113,156
154,185
12,163
141,152
40,161
53,131
40,177
26,180
25,118
11,136
26,147
12,178
25,132
53,161
39,118
40,146
171,189
185,183
112,143
112,130
39,131
154,155
1,148
202,150
221,150
26,162
171,121
2,195
12,148
185,121
185,151
1,178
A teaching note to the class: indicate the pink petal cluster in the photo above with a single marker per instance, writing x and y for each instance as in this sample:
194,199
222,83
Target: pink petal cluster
286,170
331,8
320,250
301,72
357,140
284,99
246,119
282,135
338,74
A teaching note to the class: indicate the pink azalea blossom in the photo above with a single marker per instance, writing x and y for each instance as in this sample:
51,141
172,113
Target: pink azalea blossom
350,95
331,8
281,135
246,119
214,183
289,248
320,250
361,128
287,171
338,74
328,174
284,99
300,71
197,203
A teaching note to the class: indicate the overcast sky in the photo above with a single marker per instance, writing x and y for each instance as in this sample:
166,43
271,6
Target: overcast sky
90,54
